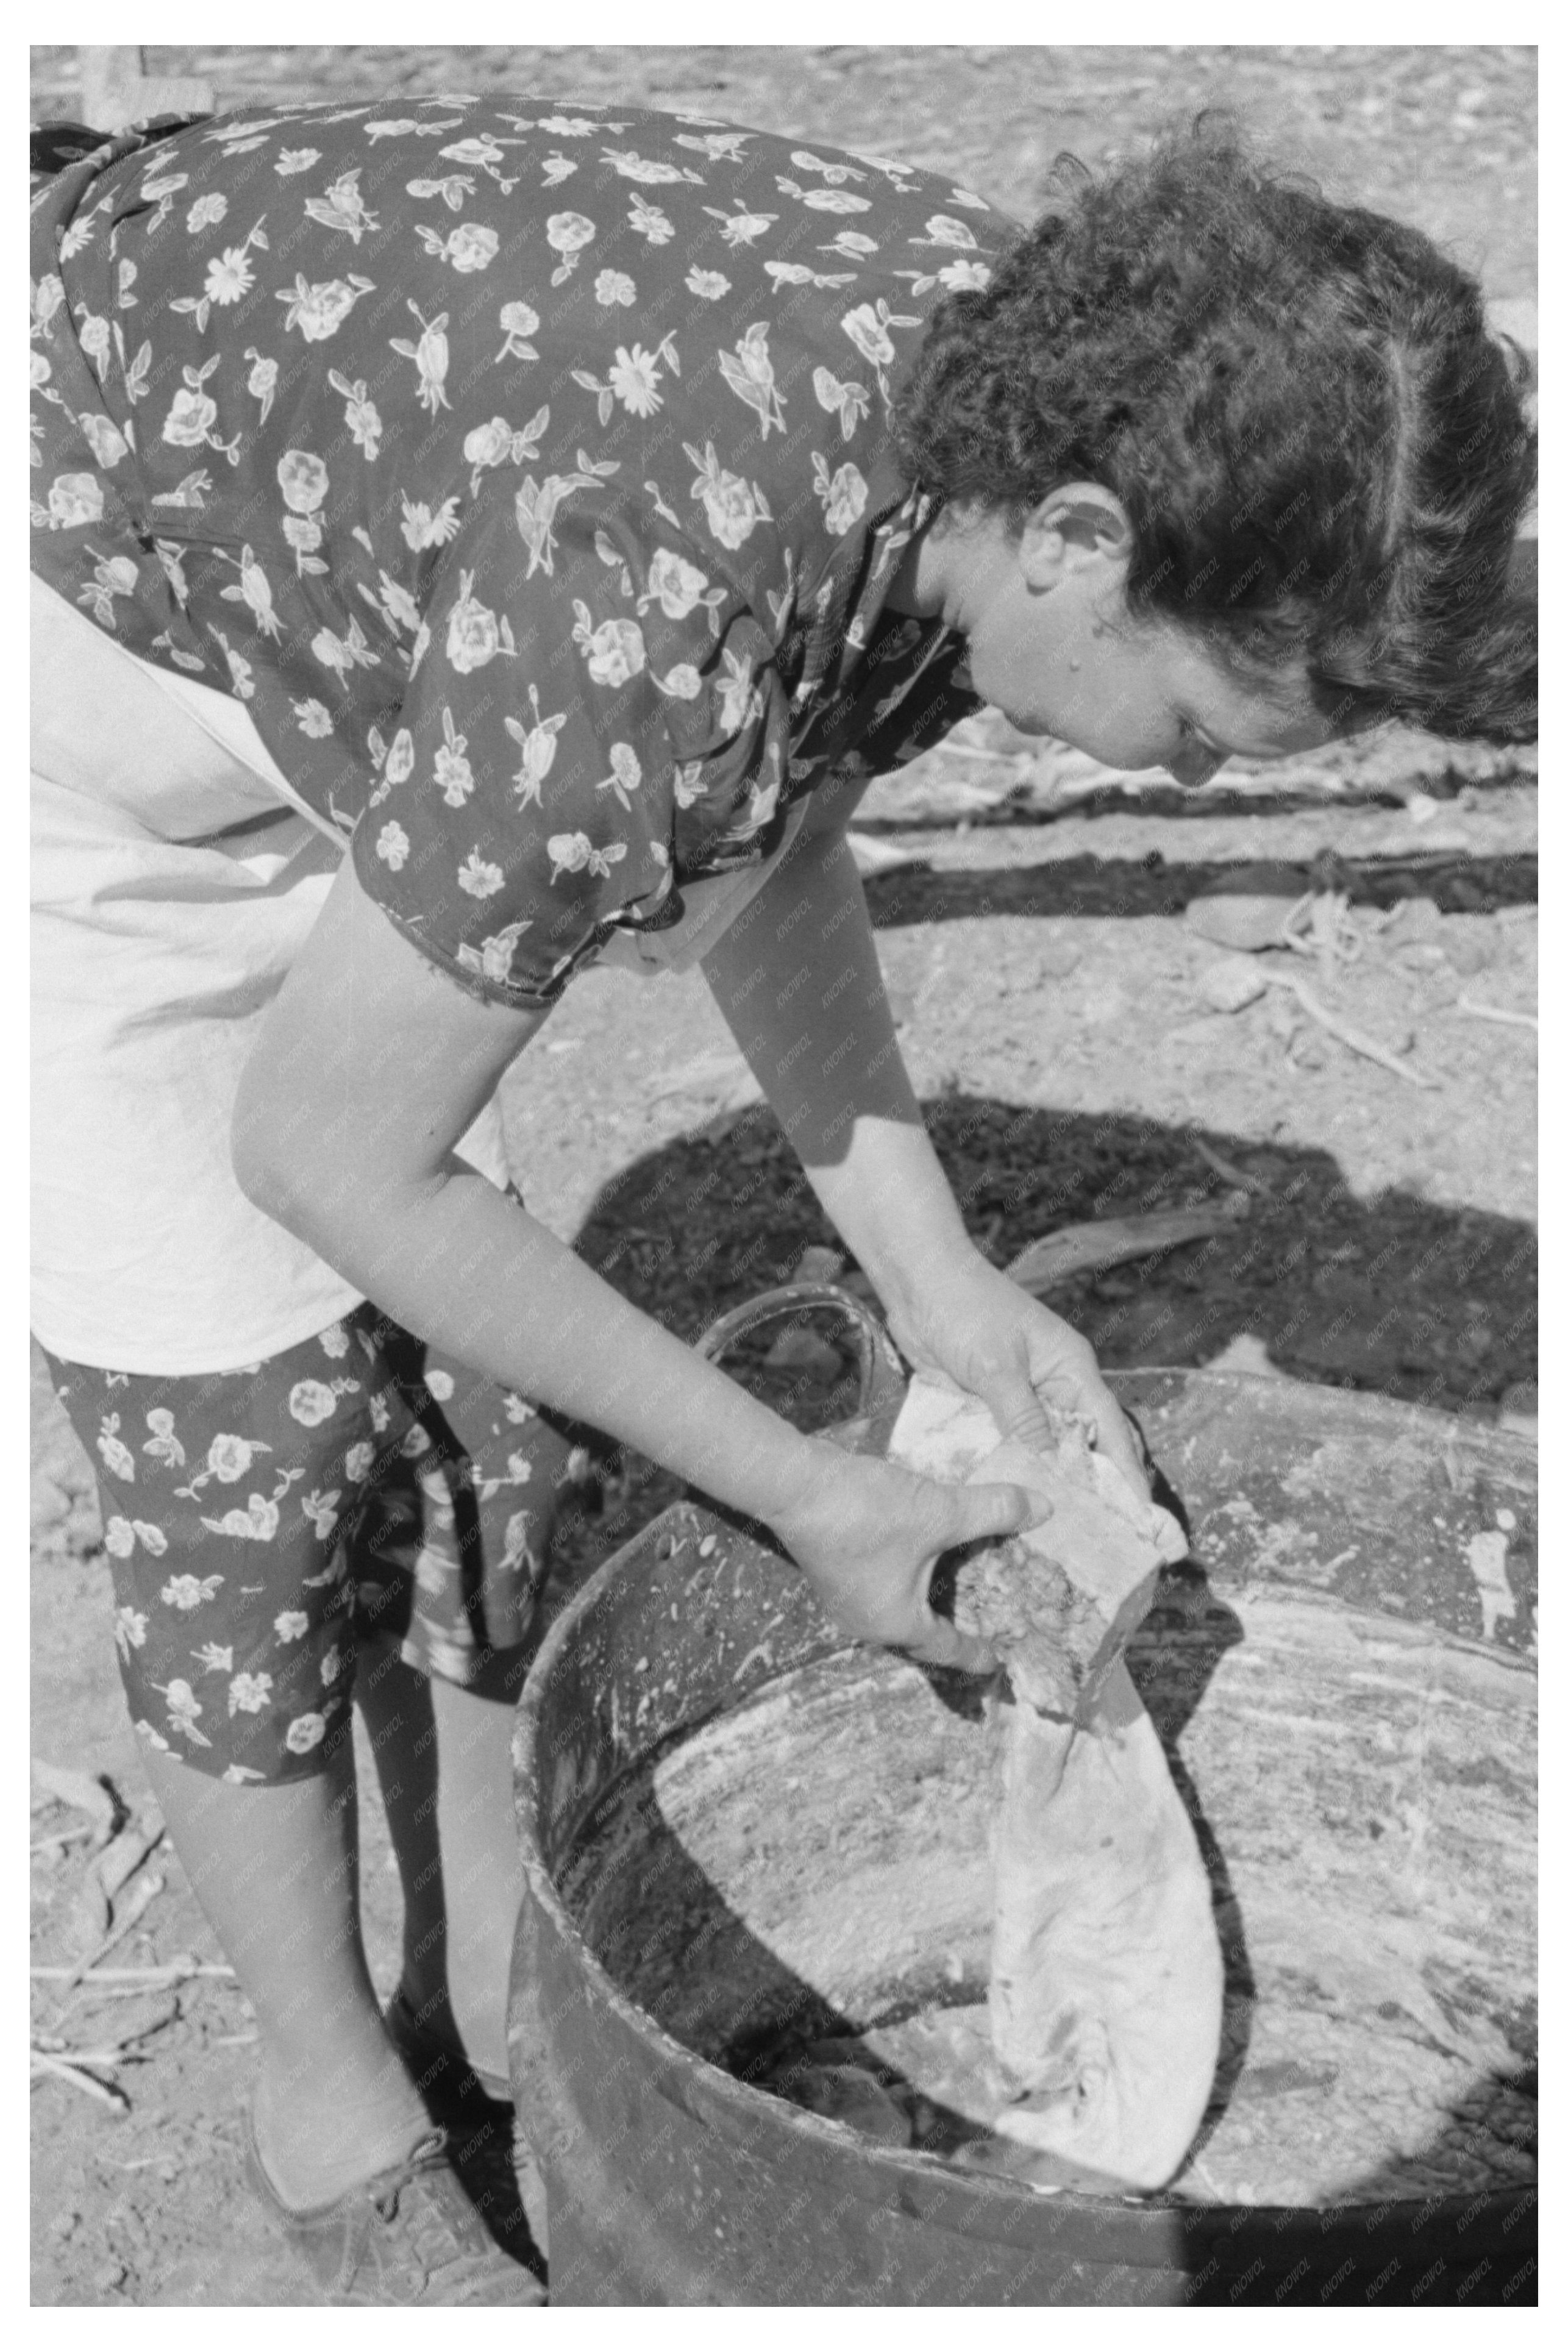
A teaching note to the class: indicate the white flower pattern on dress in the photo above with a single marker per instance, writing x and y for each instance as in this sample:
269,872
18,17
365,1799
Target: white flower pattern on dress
185,1708
229,1458
186,1592
704,707
468,247
518,320
115,1452
248,1693
479,877
843,494
613,651
537,744
266,1678
625,773
130,1630
321,1510
257,1523
311,1401
163,1445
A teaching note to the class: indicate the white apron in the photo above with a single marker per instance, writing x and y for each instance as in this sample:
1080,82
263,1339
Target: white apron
156,951
157,948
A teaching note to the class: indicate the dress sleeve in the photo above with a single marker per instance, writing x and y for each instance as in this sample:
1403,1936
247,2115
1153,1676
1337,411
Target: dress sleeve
592,719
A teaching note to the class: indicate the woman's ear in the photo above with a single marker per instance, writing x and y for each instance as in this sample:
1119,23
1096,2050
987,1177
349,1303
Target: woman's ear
1078,526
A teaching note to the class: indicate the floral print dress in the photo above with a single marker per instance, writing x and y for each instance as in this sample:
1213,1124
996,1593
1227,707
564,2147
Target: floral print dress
527,471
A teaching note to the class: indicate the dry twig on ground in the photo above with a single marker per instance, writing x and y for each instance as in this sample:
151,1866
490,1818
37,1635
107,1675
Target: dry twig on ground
1496,1012
1110,1241
1356,1039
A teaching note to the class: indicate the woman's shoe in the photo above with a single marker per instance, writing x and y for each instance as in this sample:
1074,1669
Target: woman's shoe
410,2235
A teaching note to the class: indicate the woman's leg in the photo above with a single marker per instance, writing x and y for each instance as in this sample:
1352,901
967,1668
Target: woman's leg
444,1755
276,1872
225,1500
461,1538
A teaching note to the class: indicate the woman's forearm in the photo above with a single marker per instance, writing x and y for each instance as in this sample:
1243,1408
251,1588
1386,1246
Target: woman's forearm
473,1272
798,979
369,1065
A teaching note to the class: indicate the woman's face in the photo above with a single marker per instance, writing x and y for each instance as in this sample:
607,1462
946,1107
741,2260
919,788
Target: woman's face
1051,642
1132,693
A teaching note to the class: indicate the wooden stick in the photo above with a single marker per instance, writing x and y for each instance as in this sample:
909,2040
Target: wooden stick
41,2062
114,2056
1110,1241
93,1991
82,1791
146,1892
1356,1039
716,1075
1496,1012
123,1857
1231,1174
161,1972
61,1839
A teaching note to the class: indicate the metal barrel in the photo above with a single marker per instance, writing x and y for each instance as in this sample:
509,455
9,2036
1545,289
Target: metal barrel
671,2181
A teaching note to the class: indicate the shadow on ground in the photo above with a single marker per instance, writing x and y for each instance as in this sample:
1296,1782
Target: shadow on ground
1458,882
1393,1293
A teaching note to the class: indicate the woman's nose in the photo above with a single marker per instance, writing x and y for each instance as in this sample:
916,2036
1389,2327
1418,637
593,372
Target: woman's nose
1196,766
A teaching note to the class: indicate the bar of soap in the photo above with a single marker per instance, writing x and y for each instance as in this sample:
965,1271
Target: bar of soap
1057,1602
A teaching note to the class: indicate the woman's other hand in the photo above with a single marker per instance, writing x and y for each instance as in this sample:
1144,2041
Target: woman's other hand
969,1321
867,1536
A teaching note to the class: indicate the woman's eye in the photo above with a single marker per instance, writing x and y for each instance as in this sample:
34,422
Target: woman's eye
1191,740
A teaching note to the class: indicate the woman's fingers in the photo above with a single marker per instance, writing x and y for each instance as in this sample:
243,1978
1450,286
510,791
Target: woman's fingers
872,1564
941,1644
991,1510
1115,1439
1015,1406
1016,1410
972,1513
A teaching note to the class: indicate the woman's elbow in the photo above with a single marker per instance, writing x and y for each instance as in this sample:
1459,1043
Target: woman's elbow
272,1156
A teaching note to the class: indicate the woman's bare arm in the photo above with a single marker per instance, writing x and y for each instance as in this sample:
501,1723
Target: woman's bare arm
370,1066
798,979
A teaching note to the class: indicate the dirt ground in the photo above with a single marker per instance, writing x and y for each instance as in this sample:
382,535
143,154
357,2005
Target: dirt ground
1048,980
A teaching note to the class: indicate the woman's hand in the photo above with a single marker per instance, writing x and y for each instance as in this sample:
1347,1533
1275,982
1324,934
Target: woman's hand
868,1535
968,1320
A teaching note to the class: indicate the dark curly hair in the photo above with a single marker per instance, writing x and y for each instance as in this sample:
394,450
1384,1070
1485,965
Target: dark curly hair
1324,454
